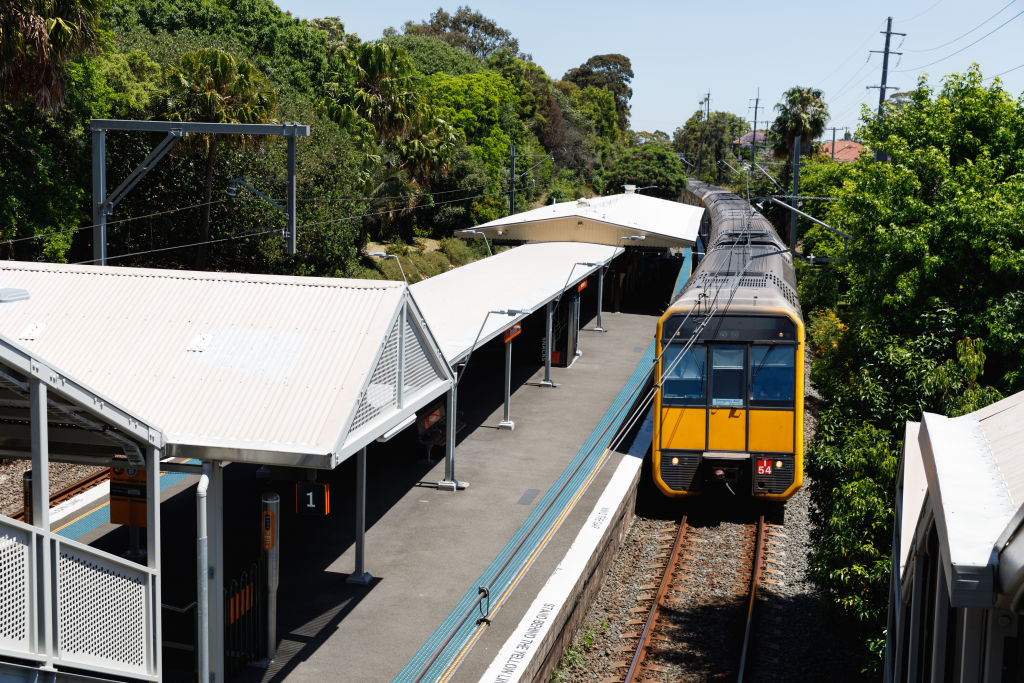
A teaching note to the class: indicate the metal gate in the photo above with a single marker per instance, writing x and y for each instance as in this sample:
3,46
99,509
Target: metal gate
245,619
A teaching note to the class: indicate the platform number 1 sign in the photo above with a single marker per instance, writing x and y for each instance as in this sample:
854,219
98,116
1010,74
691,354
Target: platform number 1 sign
312,498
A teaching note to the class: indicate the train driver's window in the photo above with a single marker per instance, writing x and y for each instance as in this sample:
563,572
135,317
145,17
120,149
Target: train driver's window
728,376
772,374
684,375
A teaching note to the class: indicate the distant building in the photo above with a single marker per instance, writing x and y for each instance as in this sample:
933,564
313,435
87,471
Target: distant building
744,140
846,150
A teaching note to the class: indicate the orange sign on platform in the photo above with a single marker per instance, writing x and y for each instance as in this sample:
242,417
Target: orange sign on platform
513,332
581,286
128,496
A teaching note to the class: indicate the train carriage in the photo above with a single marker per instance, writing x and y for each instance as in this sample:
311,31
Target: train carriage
729,404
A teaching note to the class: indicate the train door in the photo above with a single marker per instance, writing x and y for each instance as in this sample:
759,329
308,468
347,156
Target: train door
727,415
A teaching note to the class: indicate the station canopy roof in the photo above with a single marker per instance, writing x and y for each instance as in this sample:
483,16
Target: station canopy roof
299,371
600,220
970,471
525,278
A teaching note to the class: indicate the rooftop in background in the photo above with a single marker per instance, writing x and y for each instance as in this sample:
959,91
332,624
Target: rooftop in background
600,220
283,370
970,469
455,304
846,150
744,140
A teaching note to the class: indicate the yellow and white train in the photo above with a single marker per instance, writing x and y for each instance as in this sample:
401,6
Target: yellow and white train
728,410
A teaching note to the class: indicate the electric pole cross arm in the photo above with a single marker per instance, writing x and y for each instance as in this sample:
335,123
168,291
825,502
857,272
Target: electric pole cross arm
103,205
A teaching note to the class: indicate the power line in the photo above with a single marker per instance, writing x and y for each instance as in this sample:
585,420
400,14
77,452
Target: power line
952,54
1003,73
921,14
238,236
964,35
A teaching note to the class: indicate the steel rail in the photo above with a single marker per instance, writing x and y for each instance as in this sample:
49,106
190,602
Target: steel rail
73,490
652,616
755,580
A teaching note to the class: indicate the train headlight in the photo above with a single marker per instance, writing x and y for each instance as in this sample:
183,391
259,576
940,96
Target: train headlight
778,464
675,460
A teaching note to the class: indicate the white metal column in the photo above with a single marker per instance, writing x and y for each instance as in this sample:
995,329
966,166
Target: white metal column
600,299
450,483
507,422
41,515
360,575
215,576
153,546
549,347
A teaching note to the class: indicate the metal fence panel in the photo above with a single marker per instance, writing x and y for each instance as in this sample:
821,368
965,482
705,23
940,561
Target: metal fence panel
16,621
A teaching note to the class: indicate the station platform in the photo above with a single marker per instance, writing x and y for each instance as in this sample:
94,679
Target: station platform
427,548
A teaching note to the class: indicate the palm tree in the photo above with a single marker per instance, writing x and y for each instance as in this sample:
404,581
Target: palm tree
37,38
802,112
211,85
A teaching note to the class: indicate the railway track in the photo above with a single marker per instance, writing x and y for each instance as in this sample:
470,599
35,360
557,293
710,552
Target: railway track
655,637
71,491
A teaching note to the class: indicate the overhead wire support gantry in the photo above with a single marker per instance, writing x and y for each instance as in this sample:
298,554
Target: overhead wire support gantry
103,204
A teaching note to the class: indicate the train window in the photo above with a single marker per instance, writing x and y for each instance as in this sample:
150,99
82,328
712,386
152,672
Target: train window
728,375
772,375
731,327
684,375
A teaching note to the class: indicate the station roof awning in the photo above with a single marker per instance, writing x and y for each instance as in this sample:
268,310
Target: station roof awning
298,371
83,425
974,467
525,278
600,220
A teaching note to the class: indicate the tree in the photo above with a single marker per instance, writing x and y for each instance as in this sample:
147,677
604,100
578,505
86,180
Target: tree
652,164
212,85
709,139
932,314
466,29
37,40
802,112
612,72
598,106
430,55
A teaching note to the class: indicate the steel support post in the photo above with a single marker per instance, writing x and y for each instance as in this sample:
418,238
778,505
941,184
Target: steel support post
600,300
41,515
153,548
796,191
450,483
203,577
507,422
292,208
215,519
549,346
99,197
360,575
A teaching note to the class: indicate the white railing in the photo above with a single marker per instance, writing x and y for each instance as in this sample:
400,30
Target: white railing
102,608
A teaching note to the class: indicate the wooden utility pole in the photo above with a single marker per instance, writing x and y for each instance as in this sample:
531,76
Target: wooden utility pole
753,140
889,33
512,183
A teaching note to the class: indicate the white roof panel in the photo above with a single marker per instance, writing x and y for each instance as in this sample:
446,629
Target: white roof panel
525,278
230,361
601,220
915,487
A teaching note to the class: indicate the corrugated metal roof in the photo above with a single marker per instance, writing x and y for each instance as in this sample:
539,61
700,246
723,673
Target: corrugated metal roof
231,361
601,220
915,488
1002,423
455,303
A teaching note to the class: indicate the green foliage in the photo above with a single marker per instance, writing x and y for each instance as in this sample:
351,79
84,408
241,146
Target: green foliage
467,30
613,72
802,112
651,164
432,55
37,41
597,105
930,316
706,141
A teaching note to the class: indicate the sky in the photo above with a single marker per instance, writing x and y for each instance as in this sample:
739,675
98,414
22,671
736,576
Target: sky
682,50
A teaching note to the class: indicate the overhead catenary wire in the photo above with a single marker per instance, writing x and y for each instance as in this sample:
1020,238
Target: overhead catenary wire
964,35
972,44
238,236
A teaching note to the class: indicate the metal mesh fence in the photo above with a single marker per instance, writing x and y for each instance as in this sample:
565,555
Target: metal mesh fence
15,598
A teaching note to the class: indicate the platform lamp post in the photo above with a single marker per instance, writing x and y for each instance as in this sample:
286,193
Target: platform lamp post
486,243
381,254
